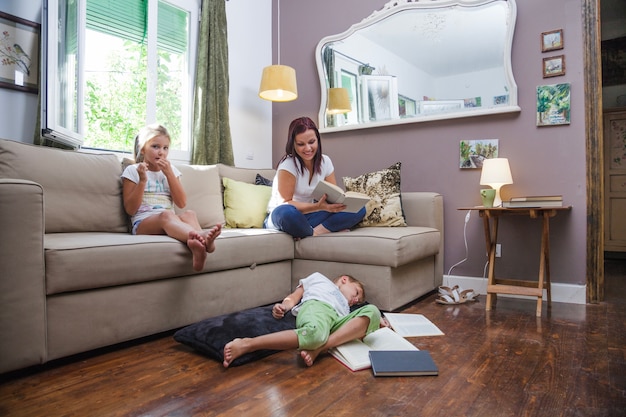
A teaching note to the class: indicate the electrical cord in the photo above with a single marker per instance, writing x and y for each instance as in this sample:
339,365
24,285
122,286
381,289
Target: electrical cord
467,218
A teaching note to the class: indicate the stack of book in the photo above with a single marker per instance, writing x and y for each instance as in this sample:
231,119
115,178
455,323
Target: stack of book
534,201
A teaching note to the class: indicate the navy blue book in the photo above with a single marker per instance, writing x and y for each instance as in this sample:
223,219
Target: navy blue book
402,363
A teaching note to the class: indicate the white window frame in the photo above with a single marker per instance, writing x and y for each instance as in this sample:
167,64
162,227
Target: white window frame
50,95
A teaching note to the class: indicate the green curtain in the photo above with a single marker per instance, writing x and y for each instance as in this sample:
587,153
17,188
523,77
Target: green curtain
211,126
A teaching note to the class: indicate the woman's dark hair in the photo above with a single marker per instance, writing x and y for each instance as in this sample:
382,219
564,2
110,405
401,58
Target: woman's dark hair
297,126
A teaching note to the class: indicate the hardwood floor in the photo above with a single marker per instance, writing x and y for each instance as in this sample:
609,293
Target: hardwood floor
506,362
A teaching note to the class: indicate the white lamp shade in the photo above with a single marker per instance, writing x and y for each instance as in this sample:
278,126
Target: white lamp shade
496,173
338,101
278,83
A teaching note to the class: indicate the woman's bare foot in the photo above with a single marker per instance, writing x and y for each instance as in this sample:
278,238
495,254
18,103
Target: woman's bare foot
197,246
320,230
309,356
209,238
233,350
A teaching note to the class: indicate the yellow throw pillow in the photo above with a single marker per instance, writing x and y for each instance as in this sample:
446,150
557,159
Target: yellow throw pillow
385,207
245,205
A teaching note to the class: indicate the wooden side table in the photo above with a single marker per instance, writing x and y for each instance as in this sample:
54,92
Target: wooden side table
518,287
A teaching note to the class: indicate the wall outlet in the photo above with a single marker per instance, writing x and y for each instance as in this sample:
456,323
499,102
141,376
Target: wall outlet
498,250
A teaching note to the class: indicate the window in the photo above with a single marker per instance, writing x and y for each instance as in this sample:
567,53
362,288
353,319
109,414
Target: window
115,65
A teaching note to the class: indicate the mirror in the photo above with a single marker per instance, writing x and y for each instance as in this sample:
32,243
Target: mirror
415,61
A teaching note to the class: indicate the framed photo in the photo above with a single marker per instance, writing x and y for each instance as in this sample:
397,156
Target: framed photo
349,82
440,106
551,41
474,152
379,97
407,107
554,66
19,53
553,104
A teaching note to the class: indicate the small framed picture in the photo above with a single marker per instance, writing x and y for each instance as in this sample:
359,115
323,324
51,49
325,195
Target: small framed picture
551,41
554,66
19,53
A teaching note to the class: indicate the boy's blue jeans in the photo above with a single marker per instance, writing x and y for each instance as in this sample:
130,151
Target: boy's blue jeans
290,220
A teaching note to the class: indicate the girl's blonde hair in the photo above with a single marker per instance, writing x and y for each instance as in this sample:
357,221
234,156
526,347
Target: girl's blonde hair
144,136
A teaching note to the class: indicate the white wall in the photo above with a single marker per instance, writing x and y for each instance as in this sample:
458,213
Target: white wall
249,50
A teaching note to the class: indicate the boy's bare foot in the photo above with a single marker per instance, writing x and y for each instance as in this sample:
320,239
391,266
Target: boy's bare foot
209,238
233,350
196,244
309,356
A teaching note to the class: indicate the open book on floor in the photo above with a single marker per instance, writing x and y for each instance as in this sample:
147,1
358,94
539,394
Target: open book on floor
402,363
334,194
355,354
412,325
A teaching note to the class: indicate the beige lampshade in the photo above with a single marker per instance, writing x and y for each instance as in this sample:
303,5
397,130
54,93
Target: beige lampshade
278,83
338,101
496,172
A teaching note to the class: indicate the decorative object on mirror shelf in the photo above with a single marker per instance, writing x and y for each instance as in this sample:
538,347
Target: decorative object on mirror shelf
458,51
19,52
496,173
553,104
278,82
474,152
338,101
552,40
554,66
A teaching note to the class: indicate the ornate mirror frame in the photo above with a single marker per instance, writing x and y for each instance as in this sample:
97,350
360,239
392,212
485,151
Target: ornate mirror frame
413,110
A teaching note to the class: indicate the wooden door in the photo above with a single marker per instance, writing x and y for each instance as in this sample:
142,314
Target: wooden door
615,181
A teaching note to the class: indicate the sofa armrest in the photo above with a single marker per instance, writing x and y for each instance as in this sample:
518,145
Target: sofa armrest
425,209
22,275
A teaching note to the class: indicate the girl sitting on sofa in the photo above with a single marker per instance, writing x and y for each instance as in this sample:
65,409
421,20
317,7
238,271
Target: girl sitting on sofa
152,186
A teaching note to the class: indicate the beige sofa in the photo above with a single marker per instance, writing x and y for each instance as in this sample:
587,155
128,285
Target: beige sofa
73,279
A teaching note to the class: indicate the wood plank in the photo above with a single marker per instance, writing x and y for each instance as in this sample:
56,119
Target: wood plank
504,362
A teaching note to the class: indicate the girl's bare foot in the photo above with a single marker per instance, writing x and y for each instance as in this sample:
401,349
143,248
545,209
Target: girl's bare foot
196,245
320,230
209,238
233,350
309,356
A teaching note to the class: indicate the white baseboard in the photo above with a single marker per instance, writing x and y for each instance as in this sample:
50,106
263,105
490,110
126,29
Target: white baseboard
561,293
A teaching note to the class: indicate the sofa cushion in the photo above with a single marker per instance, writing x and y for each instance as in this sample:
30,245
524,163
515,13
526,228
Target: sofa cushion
211,335
385,207
108,259
245,205
244,174
372,246
82,191
204,193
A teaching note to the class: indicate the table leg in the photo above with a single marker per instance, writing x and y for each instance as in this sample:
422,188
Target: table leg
491,236
544,262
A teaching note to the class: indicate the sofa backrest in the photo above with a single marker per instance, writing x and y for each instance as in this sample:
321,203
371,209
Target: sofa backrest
82,191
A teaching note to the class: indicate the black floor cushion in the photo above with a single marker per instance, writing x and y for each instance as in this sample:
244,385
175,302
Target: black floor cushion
211,335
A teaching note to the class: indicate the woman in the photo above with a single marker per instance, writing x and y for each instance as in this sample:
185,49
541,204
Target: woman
292,207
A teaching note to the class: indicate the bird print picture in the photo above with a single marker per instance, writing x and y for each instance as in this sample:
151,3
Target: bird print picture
19,53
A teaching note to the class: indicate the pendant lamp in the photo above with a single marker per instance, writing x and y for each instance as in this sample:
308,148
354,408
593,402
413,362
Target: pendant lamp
278,82
338,101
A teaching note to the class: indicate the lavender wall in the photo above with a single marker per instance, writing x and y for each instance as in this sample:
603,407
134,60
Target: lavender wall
547,160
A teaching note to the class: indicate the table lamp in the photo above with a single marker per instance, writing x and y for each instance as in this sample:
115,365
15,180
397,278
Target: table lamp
496,173
338,101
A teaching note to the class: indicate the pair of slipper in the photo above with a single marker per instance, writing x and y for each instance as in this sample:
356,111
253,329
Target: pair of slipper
455,295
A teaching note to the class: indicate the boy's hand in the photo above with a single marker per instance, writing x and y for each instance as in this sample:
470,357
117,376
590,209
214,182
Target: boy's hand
384,322
278,311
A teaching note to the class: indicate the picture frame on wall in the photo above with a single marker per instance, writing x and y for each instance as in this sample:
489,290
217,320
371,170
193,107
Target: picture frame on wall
472,153
553,104
553,66
552,40
19,53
